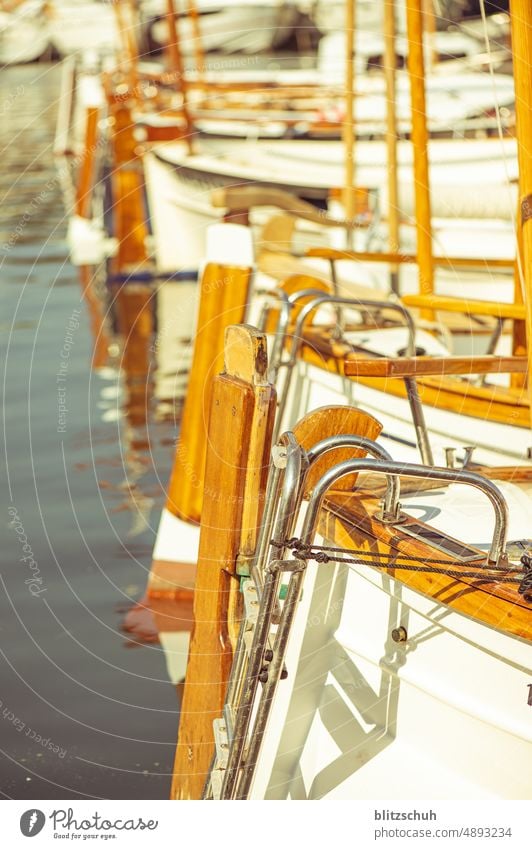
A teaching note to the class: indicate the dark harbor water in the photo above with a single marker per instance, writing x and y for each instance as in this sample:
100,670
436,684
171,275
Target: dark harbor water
84,712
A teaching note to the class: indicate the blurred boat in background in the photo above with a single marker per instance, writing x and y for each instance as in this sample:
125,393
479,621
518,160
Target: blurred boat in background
23,33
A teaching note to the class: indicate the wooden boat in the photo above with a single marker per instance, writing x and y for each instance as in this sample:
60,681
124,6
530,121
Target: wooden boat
77,26
180,183
192,175
347,716
23,36
336,692
247,26
361,645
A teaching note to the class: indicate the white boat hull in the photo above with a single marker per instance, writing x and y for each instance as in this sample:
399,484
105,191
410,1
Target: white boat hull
247,27
180,184
444,715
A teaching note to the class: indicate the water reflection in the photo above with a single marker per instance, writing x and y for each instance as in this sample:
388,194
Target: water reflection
88,492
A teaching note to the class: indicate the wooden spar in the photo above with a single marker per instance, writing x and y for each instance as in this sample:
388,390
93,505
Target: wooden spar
199,53
519,345
416,72
223,297
521,22
401,258
235,477
429,21
390,66
129,51
132,27
177,68
348,128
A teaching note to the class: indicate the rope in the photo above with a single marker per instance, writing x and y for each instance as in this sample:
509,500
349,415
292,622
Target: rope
525,587
322,554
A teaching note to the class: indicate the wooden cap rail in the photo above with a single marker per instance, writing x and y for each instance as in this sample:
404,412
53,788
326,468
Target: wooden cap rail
425,366
242,412
348,521
409,259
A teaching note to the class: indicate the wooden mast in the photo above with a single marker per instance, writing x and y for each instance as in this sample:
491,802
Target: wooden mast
390,66
416,71
199,53
521,23
348,129
125,22
177,68
429,18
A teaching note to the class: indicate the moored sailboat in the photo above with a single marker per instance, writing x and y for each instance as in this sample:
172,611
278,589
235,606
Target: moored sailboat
332,692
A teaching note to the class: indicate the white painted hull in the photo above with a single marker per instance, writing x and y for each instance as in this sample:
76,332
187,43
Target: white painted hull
443,716
457,104
228,27
361,717
76,26
497,444
179,185
23,34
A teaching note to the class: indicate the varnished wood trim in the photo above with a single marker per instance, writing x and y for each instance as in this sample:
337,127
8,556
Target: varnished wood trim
410,259
349,521
466,306
356,366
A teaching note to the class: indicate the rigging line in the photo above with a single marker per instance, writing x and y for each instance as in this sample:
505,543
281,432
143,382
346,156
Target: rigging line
486,575
501,139
295,543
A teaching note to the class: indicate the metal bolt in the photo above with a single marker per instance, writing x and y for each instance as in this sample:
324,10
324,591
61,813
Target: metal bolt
450,457
399,635
468,455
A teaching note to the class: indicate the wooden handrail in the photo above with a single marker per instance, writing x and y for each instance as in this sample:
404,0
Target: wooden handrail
402,259
467,306
425,366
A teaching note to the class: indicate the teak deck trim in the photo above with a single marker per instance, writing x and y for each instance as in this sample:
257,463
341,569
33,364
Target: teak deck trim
348,521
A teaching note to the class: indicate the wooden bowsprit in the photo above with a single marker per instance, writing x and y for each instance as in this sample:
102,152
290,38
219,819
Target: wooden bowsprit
240,428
